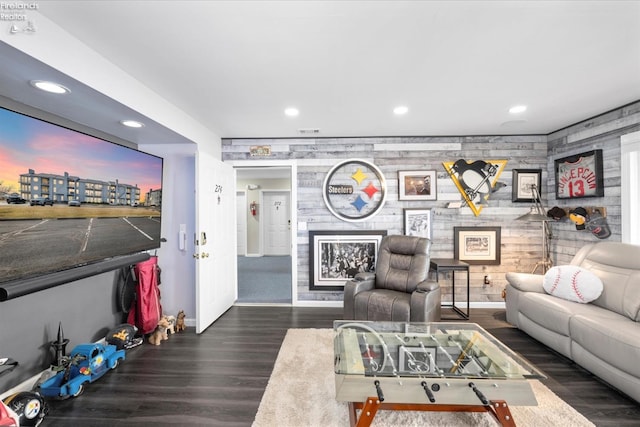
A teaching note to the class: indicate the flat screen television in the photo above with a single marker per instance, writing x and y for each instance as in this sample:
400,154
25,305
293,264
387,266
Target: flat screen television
69,199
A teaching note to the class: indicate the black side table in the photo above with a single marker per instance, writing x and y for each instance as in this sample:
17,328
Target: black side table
443,265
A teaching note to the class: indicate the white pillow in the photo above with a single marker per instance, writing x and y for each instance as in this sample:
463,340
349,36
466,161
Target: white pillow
572,283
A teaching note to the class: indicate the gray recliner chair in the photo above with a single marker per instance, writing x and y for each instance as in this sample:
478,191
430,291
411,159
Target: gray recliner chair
399,290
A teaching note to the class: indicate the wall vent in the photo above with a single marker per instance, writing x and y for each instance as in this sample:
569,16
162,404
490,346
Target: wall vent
309,131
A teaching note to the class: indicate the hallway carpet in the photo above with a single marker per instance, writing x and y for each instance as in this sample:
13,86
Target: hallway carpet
264,279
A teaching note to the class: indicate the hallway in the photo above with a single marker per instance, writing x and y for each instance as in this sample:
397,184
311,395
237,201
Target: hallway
265,279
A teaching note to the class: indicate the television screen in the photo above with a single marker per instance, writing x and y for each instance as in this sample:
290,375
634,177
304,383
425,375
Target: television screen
68,199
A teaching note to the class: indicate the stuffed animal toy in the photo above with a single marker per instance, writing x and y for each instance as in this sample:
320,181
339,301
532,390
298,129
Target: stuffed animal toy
172,324
160,334
180,322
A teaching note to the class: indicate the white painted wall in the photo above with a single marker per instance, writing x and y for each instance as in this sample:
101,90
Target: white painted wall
178,207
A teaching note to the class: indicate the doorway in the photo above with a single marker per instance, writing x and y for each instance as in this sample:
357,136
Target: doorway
264,203
276,228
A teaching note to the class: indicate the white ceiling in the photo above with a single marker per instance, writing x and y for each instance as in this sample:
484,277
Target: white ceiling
235,65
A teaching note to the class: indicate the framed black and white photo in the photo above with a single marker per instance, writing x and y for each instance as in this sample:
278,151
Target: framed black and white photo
337,256
417,185
523,182
477,245
417,222
580,176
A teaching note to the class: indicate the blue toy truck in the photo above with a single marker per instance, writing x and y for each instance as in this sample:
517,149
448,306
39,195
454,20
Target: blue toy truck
86,363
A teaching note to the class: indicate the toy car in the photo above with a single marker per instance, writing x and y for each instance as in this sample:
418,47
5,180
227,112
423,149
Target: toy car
85,364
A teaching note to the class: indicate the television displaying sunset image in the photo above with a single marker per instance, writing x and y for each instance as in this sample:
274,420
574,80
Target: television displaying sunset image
69,199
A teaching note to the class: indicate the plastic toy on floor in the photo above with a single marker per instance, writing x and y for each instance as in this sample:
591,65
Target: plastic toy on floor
180,321
160,334
172,324
87,363
123,336
27,407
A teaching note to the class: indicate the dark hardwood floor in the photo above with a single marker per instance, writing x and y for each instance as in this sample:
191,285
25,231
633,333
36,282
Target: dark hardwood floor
218,378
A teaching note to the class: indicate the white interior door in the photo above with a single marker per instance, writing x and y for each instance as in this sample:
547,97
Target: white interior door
241,220
277,223
216,271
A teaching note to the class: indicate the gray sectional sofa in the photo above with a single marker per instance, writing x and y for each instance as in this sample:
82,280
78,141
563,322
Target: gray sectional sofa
602,336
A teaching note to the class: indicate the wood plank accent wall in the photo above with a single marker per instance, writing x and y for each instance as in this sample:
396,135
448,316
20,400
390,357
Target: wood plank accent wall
521,242
601,132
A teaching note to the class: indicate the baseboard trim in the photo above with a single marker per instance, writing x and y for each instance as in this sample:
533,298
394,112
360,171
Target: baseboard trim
486,304
334,304
263,304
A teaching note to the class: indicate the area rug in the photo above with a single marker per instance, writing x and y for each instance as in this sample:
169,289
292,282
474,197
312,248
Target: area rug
301,393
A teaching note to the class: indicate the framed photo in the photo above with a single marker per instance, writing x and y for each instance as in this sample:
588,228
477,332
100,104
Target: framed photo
579,176
337,256
417,185
477,245
417,222
417,360
523,180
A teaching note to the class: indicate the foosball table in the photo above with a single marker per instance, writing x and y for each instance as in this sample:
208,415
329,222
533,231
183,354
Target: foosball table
428,367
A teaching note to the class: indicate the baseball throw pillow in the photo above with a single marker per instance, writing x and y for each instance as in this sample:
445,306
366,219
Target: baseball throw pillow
572,283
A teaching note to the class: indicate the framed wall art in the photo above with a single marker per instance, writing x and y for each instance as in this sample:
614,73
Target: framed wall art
580,176
417,185
477,245
523,180
417,222
476,180
337,256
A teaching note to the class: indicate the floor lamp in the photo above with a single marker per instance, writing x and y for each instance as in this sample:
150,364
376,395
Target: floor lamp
537,214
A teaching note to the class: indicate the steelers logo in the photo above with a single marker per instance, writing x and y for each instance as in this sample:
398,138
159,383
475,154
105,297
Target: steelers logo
354,190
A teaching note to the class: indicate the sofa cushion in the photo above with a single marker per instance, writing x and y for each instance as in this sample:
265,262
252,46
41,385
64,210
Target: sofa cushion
383,305
617,265
572,283
611,337
553,313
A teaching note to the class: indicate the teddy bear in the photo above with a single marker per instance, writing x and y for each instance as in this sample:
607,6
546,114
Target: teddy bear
160,333
180,321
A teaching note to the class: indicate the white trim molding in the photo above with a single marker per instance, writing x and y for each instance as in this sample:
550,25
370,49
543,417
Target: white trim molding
630,181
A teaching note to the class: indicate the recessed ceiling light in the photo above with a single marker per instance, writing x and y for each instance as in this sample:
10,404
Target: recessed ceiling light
400,110
50,87
291,111
131,123
518,109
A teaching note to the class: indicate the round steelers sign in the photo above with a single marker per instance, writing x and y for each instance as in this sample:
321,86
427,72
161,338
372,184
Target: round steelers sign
354,190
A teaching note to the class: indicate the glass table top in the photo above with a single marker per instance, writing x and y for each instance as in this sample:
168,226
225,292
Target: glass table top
438,349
